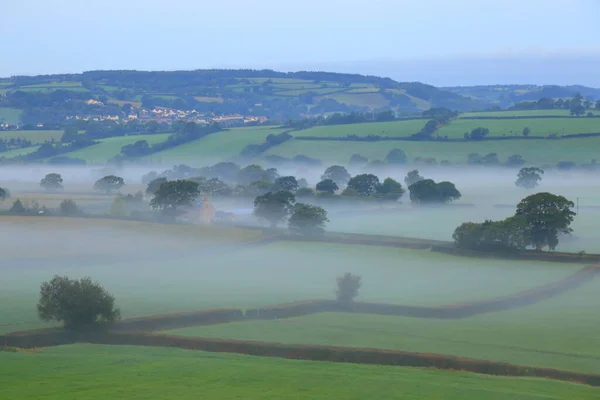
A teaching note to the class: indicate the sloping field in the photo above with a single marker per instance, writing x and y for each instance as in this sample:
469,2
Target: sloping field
538,151
558,333
9,115
156,373
522,113
18,152
216,146
370,100
511,127
108,148
386,129
36,137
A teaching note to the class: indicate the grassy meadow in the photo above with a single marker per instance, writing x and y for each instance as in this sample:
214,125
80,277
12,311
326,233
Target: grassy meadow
523,113
387,129
108,148
36,136
127,372
514,127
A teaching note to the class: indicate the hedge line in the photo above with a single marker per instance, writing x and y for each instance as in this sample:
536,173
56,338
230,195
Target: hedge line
325,353
179,320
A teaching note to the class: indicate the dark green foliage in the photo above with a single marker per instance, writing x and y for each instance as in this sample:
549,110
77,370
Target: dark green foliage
338,174
356,160
138,149
154,184
501,236
251,173
396,156
412,177
427,191
308,220
212,187
545,216
515,161
70,134
529,178
274,207
478,133
348,286
173,194
304,193
327,186
577,107
364,184
109,183
288,183
52,182
78,304
69,208
389,190
526,131
17,208
3,194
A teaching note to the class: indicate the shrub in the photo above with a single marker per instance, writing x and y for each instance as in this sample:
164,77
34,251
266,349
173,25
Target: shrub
69,208
347,287
17,208
78,304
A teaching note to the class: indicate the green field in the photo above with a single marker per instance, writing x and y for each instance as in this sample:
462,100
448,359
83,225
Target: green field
19,152
126,372
217,146
387,129
371,100
559,333
514,127
10,115
535,152
108,148
522,113
36,137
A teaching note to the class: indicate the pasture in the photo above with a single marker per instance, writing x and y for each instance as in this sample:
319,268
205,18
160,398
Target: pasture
386,129
36,137
108,148
126,372
539,152
18,152
514,127
522,113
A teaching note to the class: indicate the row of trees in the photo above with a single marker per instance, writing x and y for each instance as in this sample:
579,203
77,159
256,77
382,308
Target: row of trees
53,182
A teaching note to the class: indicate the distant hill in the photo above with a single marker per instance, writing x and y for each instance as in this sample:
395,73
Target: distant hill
507,95
276,95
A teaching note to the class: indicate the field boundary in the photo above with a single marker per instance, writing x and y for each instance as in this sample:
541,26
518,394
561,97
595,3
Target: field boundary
304,352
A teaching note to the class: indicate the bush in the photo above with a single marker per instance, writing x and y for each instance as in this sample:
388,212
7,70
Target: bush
69,208
347,287
17,208
78,304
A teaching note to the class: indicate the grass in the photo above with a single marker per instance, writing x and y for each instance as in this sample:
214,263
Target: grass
36,137
512,127
536,152
386,129
371,100
18,152
125,372
217,146
522,113
108,148
206,99
10,115
153,269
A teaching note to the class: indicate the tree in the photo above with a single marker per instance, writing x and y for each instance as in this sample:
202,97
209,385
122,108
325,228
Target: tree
544,216
3,194
68,207
274,206
576,107
149,177
288,183
154,184
78,304
504,236
390,190
364,184
526,131
479,133
52,182
412,177
429,192
396,156
338,174
597,105
529,178
515,161
109,183
17,208
348,286
173,194
356,159
308,220
251,173
70,134
327,186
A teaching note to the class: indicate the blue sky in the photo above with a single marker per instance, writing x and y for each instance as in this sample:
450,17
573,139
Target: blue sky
42,36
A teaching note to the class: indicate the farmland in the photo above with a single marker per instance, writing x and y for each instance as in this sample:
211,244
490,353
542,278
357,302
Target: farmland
127,372
514,127
520,113
108,148
36,137
9,115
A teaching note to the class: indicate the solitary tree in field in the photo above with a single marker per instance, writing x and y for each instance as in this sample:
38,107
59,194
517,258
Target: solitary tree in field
396,156
52,182
544,216
429,192
174,194
327,186
308,220
348,286
109,183
526,131
79,304
338,174
515,161
529,178
274,207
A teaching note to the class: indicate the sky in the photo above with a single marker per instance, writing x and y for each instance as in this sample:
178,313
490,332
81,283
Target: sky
403,39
